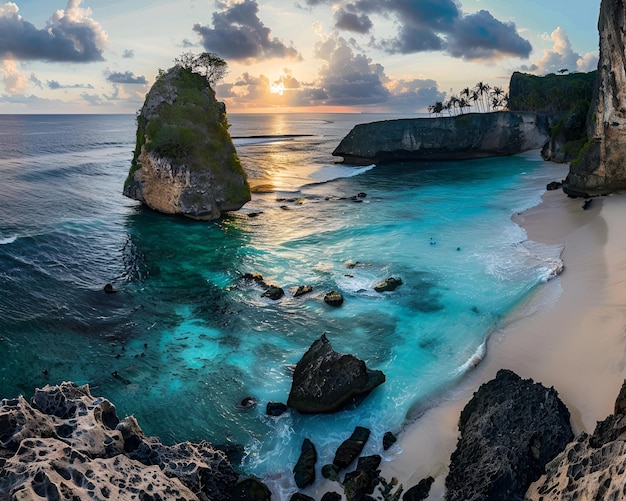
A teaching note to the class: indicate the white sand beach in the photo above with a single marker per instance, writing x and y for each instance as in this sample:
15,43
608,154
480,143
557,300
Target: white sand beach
571,334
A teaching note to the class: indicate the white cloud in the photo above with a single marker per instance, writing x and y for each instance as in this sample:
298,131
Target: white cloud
562,56
13,80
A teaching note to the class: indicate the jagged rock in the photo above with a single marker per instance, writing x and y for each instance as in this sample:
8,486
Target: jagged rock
509,430
389,284
326,381
67,444
184,161
275,409
304,471
473,135
554,185
302,290
251,489
388,440
420,491
591,467
333,298
350,449
600,169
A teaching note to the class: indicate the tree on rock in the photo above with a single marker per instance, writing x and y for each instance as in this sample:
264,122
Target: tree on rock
209,65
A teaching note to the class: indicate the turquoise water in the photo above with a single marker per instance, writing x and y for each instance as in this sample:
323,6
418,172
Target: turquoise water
190,339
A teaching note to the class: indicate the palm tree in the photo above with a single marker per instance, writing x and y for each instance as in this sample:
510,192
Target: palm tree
474,97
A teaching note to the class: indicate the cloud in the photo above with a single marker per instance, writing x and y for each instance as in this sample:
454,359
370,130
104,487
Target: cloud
562,56
34,79
128,54
13,80
128,77
70,35
433,25
351,21
54,85
239,34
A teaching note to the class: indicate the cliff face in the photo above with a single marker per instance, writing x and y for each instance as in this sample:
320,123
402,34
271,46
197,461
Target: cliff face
185,162
601,167
474,135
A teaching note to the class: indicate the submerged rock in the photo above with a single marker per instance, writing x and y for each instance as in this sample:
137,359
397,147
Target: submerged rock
389,284
184,161
509,431
67,444
333,298
251,489
327,381
302,290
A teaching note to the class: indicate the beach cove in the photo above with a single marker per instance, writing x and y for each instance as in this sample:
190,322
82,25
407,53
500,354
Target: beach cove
575,345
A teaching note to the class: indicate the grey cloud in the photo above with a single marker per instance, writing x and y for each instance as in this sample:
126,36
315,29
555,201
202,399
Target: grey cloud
351,21
74,38
127,77
128,54
35,80
481,36
412,39
54,85
239,34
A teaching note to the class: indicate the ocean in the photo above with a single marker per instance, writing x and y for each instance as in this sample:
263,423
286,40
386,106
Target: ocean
185,339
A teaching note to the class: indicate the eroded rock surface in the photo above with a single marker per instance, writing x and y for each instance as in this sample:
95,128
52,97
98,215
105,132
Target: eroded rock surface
327,381
591,467
509,431
67,444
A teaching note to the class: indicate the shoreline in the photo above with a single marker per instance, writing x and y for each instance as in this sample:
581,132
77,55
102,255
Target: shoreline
569,334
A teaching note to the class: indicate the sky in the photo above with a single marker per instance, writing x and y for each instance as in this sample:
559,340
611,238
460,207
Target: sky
387,56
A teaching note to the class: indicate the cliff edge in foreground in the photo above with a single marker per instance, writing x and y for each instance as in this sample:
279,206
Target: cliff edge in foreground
185,161
473,135
601,166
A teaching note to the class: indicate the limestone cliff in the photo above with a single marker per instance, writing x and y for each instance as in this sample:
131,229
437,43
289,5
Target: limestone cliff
601,167
473,135
185,161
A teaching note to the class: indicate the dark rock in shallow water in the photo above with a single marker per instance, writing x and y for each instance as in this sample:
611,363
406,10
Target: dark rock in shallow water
420,491
109,289
67,433
275,409
273,292
592,466
388,284
247,403
331,496
333,298
350,449
330,472
509,430
298,496
302,290
304,471
363,480
251,489
327,381
388,440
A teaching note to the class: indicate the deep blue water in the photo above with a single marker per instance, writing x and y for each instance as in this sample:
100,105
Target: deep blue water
191,338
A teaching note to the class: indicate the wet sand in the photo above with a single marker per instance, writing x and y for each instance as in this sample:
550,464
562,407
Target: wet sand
570,334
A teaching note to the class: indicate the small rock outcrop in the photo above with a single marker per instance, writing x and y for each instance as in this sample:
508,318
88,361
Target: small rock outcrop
473,135
304,470
67,444
509,431
351,448
389,284
185,161
326,381
591,467
600,169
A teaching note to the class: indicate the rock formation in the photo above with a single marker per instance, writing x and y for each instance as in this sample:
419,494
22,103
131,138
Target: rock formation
509,431
325,381
601,167
473,135
67,444
184,161
591,467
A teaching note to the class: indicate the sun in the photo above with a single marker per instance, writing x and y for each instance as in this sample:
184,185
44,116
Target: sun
277,88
